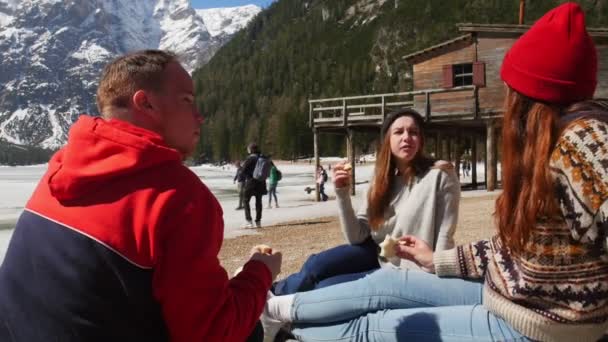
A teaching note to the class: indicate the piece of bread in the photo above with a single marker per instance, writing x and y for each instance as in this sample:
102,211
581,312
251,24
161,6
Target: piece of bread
264,249
387,247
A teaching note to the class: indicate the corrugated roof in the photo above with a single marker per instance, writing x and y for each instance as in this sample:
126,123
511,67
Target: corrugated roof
439,46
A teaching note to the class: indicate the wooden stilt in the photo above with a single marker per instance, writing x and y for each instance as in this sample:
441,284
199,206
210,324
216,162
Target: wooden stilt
437,143
350,151
445,149
317,161
474,160
491,156
451,149
457,154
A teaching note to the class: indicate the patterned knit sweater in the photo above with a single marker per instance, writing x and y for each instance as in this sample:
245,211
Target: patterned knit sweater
557,289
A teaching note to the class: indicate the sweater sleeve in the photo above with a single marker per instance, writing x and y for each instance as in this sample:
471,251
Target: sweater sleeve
603,223
446,214
465,261
579,163
355,227
198,300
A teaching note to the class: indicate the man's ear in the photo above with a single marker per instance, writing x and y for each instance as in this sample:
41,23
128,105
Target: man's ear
142,103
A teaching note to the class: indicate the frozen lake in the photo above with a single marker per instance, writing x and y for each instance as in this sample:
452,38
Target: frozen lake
17,184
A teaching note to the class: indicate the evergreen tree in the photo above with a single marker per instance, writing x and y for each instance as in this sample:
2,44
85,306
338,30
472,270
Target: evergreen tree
12,154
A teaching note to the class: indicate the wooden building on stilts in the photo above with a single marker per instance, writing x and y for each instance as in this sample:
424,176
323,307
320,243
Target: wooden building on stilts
457,87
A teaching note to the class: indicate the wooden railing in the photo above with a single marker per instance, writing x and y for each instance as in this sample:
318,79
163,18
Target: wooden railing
352,110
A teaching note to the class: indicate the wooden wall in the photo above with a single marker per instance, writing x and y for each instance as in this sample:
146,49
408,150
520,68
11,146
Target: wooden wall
428,74
491,51
488,48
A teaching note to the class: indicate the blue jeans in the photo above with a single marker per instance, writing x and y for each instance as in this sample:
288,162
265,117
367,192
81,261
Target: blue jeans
398,305
333,266
272,192
324,197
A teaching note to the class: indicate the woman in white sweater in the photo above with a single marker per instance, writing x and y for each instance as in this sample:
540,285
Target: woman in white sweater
410,194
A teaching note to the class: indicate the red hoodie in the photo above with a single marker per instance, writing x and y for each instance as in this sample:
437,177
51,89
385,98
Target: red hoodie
122,188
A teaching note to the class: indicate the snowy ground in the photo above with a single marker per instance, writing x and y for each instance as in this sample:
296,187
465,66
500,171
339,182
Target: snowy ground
17,184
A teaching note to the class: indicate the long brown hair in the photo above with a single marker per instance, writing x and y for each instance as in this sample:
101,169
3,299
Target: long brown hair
379,195
530,131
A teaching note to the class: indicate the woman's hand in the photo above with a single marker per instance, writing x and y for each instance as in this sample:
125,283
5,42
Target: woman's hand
341,176
416,250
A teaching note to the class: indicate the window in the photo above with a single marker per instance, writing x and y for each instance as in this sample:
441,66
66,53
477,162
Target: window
463,74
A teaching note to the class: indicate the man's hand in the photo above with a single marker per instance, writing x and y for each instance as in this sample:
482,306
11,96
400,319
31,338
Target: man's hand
411,248
272,261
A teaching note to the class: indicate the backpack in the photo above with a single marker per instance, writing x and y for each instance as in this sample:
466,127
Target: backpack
262,168
279,175
324,176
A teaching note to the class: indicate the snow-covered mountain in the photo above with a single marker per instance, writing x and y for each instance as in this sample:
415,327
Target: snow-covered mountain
227,21
53,52
7,8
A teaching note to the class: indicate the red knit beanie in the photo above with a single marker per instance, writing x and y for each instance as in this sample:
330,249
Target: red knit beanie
556,60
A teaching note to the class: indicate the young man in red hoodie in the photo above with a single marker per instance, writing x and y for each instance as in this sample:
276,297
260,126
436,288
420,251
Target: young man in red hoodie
119,241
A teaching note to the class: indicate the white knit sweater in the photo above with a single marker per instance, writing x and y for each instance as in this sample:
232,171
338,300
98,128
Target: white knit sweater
428,209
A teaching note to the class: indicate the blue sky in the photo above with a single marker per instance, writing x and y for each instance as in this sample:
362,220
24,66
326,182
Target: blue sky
228,3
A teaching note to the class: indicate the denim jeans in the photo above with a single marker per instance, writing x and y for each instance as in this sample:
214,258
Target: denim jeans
272,192
240,188
324,197
398,305
335,265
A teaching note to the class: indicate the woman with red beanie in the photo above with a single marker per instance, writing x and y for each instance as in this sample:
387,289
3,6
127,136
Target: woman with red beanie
544,275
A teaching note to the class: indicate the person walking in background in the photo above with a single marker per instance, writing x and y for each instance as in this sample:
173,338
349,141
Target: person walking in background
321,179
256,170
273,181
543,276
410,193
239,178
463,166
120,240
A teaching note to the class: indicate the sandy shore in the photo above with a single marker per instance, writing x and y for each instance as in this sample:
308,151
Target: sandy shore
299,239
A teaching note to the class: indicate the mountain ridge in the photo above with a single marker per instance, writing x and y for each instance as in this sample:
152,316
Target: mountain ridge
53,52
